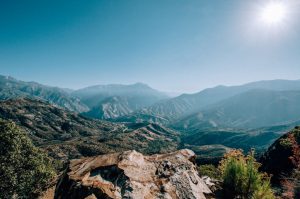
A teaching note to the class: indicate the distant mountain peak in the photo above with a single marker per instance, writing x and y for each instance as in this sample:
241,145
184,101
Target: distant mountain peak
115,100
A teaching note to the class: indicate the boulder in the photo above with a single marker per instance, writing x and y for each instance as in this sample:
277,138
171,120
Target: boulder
132,175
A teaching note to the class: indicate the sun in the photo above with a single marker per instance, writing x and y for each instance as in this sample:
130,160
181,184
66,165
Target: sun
274,13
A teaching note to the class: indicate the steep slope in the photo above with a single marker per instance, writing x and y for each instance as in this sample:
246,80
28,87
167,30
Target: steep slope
211,144
47,123
283,156
141,116
112,107
111,101
187,104
233,139
252,109
11,88
68,135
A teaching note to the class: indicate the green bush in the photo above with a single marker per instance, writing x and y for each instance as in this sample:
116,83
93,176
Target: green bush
241,178
24,169
209,170
156,146
89,150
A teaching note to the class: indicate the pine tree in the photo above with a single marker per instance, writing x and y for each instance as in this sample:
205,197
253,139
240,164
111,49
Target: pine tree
241,178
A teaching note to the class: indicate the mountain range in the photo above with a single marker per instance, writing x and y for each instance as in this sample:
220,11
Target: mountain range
252,105
11,88
251,109
72,122
101,101
186,105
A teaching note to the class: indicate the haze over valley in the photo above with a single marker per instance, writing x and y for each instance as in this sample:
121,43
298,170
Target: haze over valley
245,116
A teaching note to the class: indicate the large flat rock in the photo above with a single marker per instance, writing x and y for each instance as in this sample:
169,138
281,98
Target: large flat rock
132,175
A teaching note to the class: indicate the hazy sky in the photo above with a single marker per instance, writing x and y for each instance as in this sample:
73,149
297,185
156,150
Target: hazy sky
172,45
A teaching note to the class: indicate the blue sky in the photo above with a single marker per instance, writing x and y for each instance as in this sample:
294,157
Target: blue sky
172,45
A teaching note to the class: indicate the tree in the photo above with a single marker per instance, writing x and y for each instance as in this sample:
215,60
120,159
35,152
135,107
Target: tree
241,178
25,170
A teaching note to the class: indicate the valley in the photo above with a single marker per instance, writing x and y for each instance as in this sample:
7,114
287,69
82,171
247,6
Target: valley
112,118
68,135
115,119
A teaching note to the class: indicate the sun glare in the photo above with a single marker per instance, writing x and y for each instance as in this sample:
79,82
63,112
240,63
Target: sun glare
274,13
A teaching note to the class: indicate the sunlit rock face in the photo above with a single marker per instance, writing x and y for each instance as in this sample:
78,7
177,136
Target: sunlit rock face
133,175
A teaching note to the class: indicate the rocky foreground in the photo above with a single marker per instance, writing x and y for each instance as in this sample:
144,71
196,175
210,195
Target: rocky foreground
133,175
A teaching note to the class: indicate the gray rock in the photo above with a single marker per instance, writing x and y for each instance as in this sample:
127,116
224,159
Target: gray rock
134,176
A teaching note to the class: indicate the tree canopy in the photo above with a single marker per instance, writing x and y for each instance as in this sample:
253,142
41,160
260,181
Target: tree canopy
25,170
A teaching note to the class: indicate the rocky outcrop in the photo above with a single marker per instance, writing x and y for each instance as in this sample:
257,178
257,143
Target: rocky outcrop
132,175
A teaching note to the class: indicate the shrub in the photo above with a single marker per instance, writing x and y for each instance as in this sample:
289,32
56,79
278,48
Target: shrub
241,178
24,169
156,146
209,170
89,150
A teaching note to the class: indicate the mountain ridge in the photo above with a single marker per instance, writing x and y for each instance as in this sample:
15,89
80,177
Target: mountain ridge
187,104
116,100
252,109
12,88
67,135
